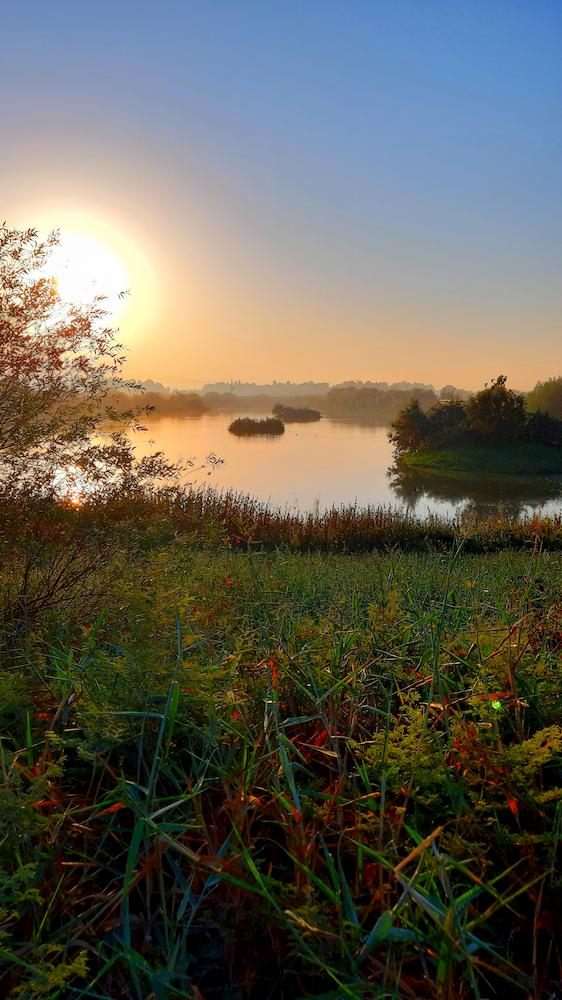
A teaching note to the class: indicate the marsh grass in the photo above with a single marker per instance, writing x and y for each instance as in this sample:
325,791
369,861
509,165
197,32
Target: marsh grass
267,774
248,523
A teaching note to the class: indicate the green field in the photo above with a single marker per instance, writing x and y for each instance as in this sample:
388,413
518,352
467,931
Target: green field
520,459
265,774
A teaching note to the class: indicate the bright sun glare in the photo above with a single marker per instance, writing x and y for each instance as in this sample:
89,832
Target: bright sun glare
84,268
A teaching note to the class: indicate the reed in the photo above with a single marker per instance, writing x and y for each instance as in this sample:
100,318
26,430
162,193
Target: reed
246,522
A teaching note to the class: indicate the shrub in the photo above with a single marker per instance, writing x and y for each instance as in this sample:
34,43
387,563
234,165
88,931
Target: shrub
246,426
494,417
295,414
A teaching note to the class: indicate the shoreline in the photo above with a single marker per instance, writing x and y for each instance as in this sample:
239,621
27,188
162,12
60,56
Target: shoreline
516,461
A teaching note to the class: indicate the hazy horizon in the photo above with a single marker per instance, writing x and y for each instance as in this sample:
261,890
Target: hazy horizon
196,385
325,191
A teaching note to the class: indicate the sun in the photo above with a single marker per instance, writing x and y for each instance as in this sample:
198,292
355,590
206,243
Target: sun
83,267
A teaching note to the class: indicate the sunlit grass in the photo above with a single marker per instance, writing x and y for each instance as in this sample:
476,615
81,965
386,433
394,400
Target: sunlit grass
264,774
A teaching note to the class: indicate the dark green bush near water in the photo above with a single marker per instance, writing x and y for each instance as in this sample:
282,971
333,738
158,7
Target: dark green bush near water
246,426
494,417
540,428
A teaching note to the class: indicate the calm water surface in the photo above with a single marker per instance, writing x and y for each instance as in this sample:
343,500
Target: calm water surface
333,462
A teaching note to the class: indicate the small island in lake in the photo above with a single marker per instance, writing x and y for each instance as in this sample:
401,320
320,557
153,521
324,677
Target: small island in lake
246,426
296,414
491,432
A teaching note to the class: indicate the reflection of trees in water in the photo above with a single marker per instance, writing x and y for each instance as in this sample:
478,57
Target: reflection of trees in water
482,494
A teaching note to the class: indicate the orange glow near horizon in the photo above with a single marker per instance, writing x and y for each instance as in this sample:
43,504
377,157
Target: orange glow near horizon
196,313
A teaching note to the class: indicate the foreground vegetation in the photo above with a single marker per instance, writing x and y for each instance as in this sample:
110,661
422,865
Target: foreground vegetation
263,774
247,523
237,758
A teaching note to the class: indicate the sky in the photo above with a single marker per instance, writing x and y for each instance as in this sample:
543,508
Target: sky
301,189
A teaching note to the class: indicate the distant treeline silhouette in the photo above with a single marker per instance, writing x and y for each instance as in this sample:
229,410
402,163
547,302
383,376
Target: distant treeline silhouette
228,402
274,388
165,404
378,402
379,405
369,402
359,402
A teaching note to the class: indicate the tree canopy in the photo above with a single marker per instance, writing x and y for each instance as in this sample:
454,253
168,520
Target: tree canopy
547,397
60,366
495,416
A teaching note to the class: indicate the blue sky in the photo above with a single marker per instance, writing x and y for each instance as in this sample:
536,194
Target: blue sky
329,190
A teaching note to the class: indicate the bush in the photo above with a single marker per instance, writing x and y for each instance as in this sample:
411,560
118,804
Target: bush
296,415
496,414
246,426
495,417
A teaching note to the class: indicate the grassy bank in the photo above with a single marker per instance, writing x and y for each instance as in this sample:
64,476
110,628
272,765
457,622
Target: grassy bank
520,459
281,775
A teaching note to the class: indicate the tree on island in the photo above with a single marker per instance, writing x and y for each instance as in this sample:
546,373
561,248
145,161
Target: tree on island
494,417
496,414
546,397
409,432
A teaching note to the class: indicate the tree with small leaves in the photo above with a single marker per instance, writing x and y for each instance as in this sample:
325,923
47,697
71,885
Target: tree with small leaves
67,460
59,366
496,414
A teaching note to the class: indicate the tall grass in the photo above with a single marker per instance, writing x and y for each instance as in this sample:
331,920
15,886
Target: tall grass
353,528
264,774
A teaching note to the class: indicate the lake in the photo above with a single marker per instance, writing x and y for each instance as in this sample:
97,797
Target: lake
333,462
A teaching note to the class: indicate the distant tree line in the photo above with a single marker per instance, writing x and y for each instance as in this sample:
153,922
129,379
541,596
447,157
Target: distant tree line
370,402
366,401
164,404
275,388
379,402
546,397
495,416
229,402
